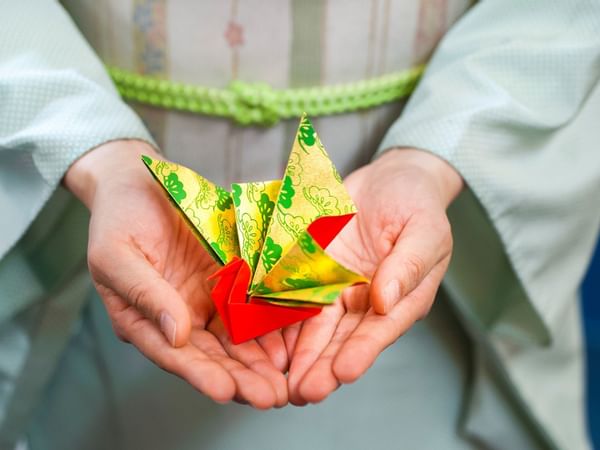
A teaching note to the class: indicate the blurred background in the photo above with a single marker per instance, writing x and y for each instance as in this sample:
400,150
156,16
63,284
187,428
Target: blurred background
591,314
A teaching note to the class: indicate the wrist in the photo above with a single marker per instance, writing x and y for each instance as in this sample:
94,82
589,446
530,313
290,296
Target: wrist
447,179
109,160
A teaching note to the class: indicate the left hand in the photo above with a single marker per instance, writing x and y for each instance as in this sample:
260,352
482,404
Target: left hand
401,239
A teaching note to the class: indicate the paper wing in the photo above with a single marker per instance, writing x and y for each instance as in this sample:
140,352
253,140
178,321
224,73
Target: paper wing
306,273
245,319
254,204
312,206
207,208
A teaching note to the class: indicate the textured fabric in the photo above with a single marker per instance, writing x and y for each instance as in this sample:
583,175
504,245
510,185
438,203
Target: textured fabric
311,50
512,100
286,43
295,43
57,103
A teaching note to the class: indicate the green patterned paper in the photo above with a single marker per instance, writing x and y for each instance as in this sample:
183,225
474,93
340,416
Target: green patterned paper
207,207
311,188
254,204
305,265
265,223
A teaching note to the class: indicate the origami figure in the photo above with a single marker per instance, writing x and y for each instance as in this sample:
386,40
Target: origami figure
270,235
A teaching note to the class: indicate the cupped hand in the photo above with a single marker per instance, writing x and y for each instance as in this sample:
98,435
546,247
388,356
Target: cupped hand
150,272
400,238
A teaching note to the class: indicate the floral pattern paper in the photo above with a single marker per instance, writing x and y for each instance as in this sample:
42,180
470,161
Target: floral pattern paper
267,223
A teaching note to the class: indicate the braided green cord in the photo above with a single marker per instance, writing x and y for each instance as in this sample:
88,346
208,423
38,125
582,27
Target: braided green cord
259,104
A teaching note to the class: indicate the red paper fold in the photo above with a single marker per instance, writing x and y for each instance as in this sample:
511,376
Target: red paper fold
248,317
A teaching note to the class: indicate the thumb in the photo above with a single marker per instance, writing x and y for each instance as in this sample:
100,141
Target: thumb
416,251
134,279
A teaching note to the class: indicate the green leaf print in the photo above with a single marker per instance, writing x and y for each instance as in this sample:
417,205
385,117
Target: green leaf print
287,193
224,199
254,190
227,238
217,248
300,283
306,243
294,168
163,168
147,160
262,289
254,259
236,194
306,134
249,229
322,199
332,296
265,207
191,215
292,225
204,199
174,186
336,174
271,254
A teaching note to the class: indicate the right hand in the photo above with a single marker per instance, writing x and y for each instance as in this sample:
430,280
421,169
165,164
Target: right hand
401,239
150,272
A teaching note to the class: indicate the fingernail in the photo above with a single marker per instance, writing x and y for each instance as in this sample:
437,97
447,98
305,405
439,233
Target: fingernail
391,295
168,327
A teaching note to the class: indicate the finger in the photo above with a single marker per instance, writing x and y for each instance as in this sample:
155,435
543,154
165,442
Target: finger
251,387
417,250
290,337
240,400
131,276
376,332
188,362
315,335
274,346
114,307
254,358
320,380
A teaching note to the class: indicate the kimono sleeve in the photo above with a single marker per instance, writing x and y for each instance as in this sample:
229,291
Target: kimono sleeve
511,99
56,103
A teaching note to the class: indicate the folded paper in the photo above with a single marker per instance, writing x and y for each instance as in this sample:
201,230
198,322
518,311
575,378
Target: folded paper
270,236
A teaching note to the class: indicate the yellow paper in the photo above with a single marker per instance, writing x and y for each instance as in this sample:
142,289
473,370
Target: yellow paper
265,223
305,265
311,188
207,207
254,204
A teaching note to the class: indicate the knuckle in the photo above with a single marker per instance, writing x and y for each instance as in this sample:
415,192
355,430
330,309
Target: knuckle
137,296
398,330
415,270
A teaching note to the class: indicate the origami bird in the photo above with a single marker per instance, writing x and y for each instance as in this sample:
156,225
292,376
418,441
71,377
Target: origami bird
269,236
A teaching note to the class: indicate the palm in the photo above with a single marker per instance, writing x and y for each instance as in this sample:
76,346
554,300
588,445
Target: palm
144,238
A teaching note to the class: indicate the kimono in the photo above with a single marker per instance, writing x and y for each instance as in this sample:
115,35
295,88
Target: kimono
510,99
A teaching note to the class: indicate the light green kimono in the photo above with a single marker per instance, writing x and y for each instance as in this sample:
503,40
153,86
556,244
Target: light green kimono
510,99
